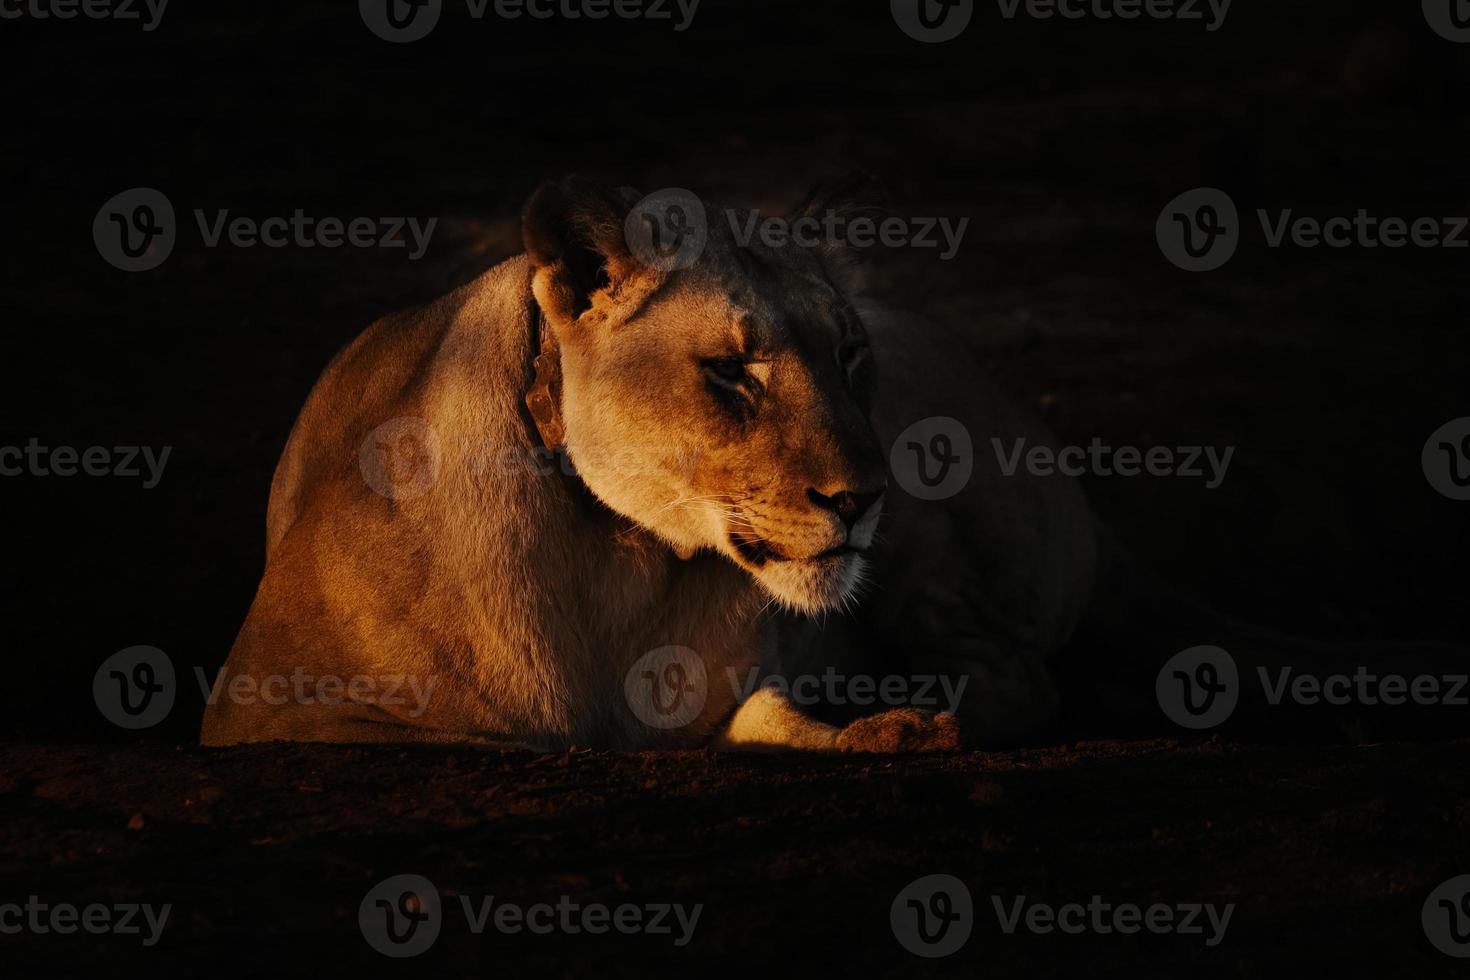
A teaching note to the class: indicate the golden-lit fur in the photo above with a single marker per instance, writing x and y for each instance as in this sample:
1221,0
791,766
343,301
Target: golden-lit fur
697,511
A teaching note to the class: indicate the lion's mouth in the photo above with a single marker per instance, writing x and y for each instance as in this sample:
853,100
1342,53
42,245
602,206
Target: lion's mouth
758,552
754,549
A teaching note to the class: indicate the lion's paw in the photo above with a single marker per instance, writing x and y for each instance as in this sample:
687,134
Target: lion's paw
902,730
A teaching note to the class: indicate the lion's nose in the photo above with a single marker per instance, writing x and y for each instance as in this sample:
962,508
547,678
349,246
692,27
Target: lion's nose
848,505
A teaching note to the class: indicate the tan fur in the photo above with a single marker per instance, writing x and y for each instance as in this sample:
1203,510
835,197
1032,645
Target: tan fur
527,596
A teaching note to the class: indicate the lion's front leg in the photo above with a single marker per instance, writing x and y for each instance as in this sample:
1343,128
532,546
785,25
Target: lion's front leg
769,721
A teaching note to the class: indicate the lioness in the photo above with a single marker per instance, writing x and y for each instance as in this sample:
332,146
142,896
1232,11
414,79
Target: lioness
615,460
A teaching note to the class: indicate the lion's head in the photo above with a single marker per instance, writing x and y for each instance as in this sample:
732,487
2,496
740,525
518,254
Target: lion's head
722,405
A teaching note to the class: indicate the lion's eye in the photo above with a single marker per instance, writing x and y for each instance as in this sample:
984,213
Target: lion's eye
726,370
733,386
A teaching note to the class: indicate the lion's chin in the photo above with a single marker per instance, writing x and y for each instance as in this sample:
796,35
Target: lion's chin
814,585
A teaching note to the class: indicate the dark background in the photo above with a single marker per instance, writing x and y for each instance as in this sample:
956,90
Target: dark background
1327,369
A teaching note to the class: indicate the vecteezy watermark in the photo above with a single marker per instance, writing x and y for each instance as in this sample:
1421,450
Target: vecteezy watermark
137,230
668,229
134,688
932,21
1450,19
936,21
1363,230
840,229
37,460
401,458
934,915
939,691
1211,13
404,458
1200,688
305,231
1103,918
626,461
405,21
1365,687
300,687
402,916
667,688
1446,917
1098,459
1446,459
64,919
1200,230
570,918
148,13
933,458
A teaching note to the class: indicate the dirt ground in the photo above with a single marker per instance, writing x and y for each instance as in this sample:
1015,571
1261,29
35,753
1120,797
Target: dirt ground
265,854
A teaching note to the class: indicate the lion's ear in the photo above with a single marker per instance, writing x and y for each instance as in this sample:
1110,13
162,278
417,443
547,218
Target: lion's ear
857,193
573,233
